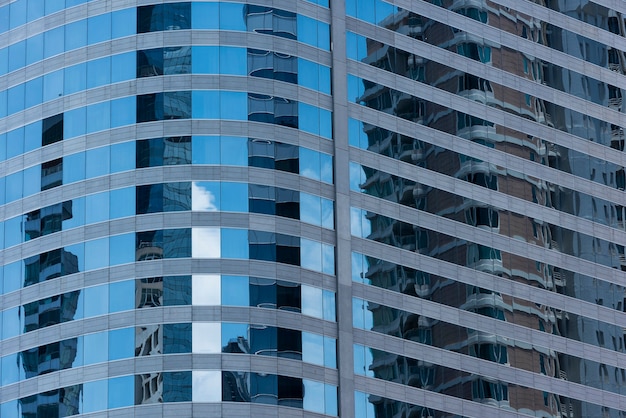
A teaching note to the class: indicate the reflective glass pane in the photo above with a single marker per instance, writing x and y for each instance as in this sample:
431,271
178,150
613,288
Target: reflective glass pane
235,290
205,196
235,243
207,386
75,122
124,22
32,180
98,72
73,213
234,151
232,16
233,335
14,186
205,104
233,105
96,253
122,296
205,15
205,242
122,203
95,395
206,149
312,301
206,337
122,343
17,55
311,254
96,347
313,348
13,233
121,249
75,78
206,289
234,197
122,111
121,391
97,207
233,60
97,161
34,49
17,101
123,67
75,34
54,41
205,58
4,60
52,173
313,396
96,300
17,13
177,60
12,322
123,154
98,28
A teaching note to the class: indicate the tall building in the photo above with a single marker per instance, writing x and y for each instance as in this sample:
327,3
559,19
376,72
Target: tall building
369,209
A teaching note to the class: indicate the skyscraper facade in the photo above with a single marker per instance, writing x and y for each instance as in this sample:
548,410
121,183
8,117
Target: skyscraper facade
353,208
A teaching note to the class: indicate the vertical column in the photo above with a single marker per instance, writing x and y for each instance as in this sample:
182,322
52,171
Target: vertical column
345,352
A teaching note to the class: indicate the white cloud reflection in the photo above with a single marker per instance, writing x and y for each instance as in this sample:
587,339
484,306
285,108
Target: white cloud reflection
205,242
207,386
206,337
206,289
202,198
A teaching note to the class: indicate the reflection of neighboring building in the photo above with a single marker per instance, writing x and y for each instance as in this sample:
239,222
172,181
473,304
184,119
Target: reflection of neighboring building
46,312
430,242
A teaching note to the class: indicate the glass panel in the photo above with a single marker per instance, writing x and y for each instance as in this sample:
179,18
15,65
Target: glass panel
52,130
205,15
121,249
33,91
124,22
122,203
206,337
97,207
205,196
205,242
235,290
123,67
96,347
97,161
98,72
75,122
96,300
99,28
123,154
17,55
207,386
96,253
122,111
54,42
235,338
122,343
121,391
95,395
206,289
75,34
313,348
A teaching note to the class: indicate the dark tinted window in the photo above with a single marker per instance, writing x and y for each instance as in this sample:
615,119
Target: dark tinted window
52,130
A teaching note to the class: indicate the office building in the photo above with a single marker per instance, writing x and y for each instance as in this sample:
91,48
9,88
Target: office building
353,208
